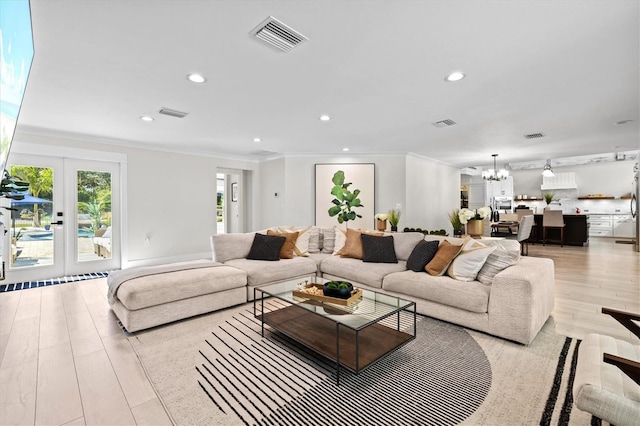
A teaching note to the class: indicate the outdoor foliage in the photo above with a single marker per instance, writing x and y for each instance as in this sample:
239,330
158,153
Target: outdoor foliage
344,200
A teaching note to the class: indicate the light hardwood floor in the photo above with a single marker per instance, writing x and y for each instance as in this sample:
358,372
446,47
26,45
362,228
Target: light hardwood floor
64,360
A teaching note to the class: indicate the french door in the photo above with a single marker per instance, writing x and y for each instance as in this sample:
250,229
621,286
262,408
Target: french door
68,223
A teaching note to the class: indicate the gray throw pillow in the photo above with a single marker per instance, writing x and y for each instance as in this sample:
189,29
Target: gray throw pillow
266,247
422,254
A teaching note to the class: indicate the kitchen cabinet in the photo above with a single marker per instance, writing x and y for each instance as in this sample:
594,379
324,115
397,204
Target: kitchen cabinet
500,188
624,226
575,230
600,225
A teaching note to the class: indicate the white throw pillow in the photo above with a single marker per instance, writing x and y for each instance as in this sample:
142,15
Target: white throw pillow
340,240
467,264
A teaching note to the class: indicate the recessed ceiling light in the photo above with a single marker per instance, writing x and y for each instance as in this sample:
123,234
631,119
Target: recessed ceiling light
455,76
325,118
257,140
196,78
345,149
146,118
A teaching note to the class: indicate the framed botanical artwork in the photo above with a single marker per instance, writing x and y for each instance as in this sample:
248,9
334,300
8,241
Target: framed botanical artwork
234,191
360,176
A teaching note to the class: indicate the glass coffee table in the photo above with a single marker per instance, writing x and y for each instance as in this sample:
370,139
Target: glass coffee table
353,336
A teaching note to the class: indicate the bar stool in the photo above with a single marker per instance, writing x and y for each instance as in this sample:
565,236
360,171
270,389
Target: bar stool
524,232
552,219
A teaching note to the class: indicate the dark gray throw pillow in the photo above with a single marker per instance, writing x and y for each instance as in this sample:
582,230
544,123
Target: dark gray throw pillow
378,249
266,247
422,254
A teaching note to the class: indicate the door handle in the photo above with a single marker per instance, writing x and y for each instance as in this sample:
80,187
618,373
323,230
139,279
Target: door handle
57,223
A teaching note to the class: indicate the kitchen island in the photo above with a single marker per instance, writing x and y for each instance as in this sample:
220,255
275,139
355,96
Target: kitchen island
576,230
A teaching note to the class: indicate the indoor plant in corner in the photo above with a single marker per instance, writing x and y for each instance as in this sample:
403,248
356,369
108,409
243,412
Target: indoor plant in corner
344,200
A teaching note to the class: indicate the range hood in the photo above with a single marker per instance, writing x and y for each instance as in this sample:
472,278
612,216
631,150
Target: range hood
559,181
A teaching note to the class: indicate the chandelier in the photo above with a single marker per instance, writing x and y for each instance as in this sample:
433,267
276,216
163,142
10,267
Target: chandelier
548,171
495,174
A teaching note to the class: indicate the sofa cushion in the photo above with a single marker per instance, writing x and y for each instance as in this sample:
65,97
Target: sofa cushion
443,258
378,249
157,289
314,240
301,247
353,243
287,249
467,264
470,296
260,272
328,239
231,246
422,254
370,274
405,242
266,247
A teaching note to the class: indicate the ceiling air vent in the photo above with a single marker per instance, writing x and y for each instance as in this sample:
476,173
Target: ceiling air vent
278,34
172,112
444,123
534,136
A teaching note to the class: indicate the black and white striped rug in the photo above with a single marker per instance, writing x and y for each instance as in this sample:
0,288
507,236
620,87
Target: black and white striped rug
217,369
52,281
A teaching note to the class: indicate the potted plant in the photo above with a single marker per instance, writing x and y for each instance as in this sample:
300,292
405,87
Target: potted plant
339,289
454,218
474,220
394,217
381,221
344,200
548,198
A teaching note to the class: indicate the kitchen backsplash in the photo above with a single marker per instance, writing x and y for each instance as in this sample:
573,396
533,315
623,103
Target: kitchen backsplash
569,205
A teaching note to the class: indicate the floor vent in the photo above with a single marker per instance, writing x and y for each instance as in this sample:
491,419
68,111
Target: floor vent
278,34
444,123
172,112
534,136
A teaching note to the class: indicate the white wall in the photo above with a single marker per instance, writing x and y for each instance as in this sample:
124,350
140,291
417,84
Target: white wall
433,191
170,199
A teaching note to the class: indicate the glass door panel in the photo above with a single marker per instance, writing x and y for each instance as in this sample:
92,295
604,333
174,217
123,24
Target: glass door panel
94,215
31,236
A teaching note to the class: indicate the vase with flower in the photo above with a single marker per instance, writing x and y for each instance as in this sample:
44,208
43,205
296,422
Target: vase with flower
381,221
474,220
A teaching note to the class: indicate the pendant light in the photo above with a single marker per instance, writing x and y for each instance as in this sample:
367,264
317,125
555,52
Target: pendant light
548,171
494,174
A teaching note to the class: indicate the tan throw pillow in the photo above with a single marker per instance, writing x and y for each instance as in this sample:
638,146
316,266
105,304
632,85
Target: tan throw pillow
286,252
443,258
353,244
302,242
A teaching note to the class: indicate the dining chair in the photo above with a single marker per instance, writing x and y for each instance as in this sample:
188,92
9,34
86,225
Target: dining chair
524,232
523,212
552,219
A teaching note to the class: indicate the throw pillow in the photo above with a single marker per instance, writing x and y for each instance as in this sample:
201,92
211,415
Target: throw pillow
443,258
378,249
286,251
301,247
467,264
497,261
314,240
339,240
328,240
266,247
422,254
353,243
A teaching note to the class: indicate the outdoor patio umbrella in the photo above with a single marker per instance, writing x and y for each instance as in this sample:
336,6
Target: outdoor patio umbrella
29,199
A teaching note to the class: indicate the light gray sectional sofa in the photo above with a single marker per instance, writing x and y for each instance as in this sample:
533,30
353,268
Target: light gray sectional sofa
514,304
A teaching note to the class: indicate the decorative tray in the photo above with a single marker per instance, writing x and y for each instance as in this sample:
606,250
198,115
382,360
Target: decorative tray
356,294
